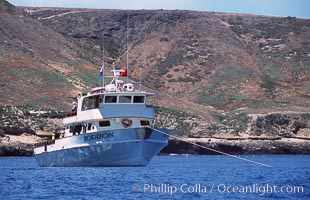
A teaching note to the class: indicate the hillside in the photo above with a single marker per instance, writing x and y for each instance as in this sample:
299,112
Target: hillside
226,61
215,74
222,60
39,67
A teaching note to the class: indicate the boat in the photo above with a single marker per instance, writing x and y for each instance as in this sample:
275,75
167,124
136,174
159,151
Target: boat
112,125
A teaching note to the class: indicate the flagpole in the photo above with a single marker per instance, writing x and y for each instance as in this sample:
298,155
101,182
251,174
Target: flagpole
127,37
103,65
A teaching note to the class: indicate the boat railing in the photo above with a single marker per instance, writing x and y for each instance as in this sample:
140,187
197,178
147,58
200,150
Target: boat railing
70,114
119,81
41,144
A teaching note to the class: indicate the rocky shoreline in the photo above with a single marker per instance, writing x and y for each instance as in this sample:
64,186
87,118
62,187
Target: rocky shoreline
239,146
274,133
236,146
16,150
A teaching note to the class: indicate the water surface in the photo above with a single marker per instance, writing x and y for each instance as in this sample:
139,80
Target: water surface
166,177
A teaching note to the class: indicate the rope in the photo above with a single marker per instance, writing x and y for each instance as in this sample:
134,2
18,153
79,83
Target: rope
204,147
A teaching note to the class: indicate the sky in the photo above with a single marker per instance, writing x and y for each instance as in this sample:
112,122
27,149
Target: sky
284,8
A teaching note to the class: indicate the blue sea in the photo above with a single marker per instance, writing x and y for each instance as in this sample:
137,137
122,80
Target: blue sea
166,177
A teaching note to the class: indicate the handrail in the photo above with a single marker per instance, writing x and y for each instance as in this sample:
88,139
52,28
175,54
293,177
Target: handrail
48,142
70,114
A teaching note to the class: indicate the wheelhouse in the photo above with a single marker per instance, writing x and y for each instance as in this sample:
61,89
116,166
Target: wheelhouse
97,100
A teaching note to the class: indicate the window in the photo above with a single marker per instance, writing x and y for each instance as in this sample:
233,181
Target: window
138,99
89,126
124,99
91,102
104,123
144,123
110,99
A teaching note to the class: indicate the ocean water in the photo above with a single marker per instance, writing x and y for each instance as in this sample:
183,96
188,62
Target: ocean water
166,177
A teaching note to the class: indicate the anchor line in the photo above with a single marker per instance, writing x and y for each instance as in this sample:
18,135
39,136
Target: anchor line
204,147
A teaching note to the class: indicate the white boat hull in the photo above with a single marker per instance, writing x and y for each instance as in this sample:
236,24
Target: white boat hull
126,147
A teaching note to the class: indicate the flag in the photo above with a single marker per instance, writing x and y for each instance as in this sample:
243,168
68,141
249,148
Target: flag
101,72
124,72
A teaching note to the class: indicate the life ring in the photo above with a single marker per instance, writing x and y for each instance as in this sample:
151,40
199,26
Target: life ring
126,123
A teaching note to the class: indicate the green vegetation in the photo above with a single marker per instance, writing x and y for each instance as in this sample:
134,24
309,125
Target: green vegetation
238,26
17,120
90,79
1,97
53,77
308,89
231,75
193,48
188,79
169,62
169,76
176,118
305,116
213,100
44,103
273,28
269,84
133,62
32,105
218,116
228,77
183,128
36,77
176,69
239,98
236,121
274,72
268,104
269,79
110,46
165,39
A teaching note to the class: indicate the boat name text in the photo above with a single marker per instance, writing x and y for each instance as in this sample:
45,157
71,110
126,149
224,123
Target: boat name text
98,136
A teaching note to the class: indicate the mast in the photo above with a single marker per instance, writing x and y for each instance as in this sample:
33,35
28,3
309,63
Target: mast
127,38
103,65
140,77
101,72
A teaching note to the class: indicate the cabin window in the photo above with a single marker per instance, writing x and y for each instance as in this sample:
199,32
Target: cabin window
91,102
104,123
124,99
144,123
84,128
138,99
110,99
71,129
89,126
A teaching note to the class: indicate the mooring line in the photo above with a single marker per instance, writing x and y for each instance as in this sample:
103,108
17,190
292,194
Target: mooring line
204,147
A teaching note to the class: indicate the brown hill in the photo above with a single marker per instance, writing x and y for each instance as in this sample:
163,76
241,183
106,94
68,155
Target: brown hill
216,75
227,61
39,67
198,62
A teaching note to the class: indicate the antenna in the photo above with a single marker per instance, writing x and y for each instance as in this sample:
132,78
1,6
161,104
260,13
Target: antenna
103,65
140,66
127,38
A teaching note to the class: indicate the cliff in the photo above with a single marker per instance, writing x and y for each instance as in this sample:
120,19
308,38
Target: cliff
271,133
217,76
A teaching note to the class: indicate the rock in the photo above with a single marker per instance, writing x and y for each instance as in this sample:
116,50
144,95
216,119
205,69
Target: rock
14,130
297,125
285,125
16,151
262,146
